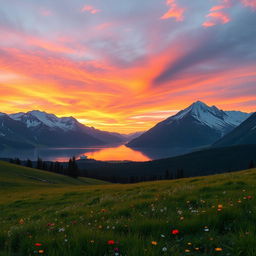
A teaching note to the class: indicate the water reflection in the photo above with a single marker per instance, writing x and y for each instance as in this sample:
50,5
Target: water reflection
114,153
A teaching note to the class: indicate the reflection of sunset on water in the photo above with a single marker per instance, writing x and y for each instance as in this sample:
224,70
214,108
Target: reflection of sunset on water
117,154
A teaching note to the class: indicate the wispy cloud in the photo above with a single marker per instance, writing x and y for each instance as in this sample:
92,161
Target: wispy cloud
90,9
249,3
217,15
175,11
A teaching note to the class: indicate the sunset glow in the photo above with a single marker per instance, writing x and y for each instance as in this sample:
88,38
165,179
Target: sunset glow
124,66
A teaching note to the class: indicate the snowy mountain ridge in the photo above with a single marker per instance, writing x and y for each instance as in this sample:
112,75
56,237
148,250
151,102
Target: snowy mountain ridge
211,116
35,118
198,125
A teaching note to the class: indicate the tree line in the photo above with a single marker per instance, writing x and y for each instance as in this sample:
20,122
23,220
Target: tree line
71,169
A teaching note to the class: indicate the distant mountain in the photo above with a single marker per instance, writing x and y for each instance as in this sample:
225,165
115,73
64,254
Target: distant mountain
37,128
244,134
14,133
132,136
196,126
44,125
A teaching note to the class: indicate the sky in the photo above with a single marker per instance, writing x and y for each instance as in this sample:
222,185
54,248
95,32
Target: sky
125,65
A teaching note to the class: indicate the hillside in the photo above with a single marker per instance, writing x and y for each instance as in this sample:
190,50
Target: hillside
245,133
198,216
15,177
204,162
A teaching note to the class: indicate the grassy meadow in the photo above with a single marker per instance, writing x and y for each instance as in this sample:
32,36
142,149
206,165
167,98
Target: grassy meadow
43,213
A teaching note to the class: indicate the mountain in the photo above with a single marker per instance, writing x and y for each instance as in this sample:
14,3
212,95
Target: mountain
46,125
37,128
244,134
14,133
196,126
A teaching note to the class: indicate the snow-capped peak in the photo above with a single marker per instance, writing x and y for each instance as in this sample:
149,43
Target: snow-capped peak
35,118
26,118
211,116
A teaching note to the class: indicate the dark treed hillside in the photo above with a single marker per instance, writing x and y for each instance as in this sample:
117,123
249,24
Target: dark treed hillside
210,161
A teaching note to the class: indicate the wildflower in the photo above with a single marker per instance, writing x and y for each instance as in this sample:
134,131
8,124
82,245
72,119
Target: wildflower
218,249
206,229
187,250
38,244
189,243
92,241
111,242
164,249
21,221
175,231
163,236
41,251
154,243
116,249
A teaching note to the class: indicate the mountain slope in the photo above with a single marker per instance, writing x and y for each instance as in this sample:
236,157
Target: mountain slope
245,133
14,133
49,130
196,126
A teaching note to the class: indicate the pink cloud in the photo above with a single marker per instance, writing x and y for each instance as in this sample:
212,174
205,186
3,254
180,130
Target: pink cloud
90,9
219,17
208,24
45,12
175,11
249,3
216,16
217,8
104,26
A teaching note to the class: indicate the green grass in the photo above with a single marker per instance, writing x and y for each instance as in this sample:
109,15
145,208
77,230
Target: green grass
69,218
15,177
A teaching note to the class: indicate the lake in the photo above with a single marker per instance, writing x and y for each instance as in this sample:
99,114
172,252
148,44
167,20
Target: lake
113,153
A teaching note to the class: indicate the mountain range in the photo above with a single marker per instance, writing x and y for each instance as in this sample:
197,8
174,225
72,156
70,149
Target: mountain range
195,127
37,128
198,125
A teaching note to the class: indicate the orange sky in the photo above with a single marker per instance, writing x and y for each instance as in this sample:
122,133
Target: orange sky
122,76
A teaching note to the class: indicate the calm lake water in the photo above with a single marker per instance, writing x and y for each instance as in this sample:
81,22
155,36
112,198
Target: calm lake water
115,153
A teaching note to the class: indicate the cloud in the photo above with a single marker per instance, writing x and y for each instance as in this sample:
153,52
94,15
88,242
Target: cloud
249,3
175,11
221,46
45,12
217,15
90,9
216,18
